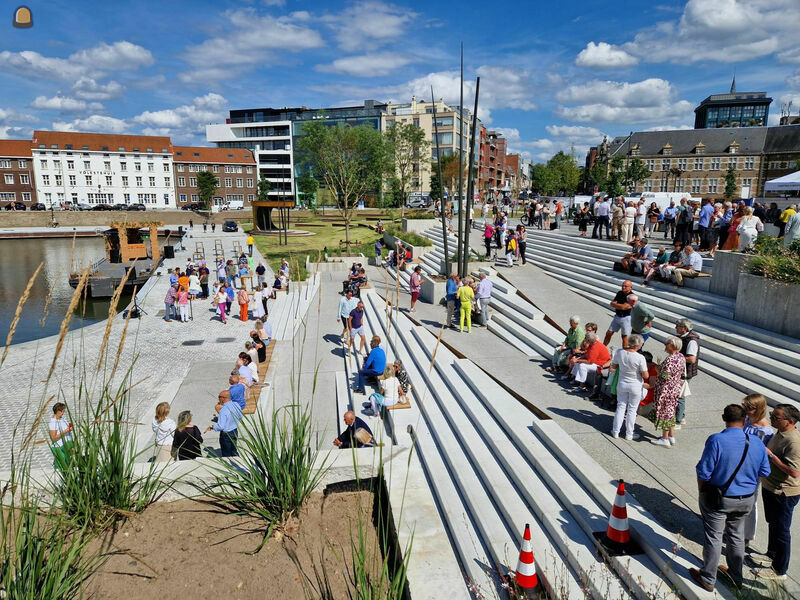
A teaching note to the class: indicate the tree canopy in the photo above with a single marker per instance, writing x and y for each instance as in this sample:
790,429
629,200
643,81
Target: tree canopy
406,145
560,175
206,187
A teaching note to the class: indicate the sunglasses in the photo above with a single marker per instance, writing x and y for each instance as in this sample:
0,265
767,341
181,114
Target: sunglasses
772,415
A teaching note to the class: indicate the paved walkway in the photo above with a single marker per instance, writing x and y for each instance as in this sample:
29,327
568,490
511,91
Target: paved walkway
165,353
663,480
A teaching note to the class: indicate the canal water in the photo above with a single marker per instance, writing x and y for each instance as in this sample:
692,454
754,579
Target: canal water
19,259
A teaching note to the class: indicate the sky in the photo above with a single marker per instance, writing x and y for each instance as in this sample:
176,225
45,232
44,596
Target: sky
554,75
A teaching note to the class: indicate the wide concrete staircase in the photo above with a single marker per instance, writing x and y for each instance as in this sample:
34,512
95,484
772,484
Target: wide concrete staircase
492,466
748,358
289,309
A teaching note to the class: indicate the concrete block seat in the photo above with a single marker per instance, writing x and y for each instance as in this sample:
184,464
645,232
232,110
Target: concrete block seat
490,480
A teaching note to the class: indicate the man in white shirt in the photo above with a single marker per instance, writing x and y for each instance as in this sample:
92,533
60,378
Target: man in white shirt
602,208
484,297
693,266
641,217
347,304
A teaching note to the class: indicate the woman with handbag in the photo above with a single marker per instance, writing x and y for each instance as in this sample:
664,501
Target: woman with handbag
653,214
669,385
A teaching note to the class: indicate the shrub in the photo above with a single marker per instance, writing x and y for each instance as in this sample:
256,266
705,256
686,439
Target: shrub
773,261
407,236
411,216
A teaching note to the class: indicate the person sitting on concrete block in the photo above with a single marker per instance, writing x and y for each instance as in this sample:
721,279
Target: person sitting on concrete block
348,438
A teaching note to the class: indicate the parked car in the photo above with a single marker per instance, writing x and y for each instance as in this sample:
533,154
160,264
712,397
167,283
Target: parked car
190,206
137,206
81,206
101,207
119,206
15,206
230,226
418,202
38,206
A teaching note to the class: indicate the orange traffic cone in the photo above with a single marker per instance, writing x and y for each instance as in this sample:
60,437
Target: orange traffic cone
618,534
526,568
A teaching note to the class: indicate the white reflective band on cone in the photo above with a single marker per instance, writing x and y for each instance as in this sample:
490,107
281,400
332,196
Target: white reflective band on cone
526,570
619,500
617,524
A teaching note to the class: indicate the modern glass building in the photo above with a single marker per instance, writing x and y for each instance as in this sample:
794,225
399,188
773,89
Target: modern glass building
734,109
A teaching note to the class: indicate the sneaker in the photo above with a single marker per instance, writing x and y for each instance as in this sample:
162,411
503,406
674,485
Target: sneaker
661,442
758,560
683,422
614,435
366,404
633,436
671,441
768,573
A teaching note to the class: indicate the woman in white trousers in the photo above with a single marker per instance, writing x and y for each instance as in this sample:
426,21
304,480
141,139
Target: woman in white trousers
633,374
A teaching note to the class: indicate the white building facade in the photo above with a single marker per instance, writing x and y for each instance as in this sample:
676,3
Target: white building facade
96,169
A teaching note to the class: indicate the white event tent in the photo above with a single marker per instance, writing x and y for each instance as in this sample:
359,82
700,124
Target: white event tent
787,182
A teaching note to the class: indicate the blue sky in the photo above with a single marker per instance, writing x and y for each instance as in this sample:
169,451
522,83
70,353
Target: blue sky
553,74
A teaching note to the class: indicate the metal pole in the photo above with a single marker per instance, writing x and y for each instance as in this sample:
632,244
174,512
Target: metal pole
461,270
470,178
441,187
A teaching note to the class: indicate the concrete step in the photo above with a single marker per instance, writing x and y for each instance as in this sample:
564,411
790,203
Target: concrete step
534,342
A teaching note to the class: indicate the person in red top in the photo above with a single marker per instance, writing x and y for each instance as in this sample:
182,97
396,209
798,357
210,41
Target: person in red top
595,356
559,213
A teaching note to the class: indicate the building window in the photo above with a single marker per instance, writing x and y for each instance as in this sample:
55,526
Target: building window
662,185
249,170
87,165
22,163
59,197
680,185
8,196
138,182
216,168
217,180
5,164
41,162
235,198
193,181
249,182
125,181
24,179
166,167
56,164
26,196
682,163
715,163
45,179
696,185
9,180
127,198
239,169
195,197
88,179
137,167
749,163
167,181
183,197
228,169
665,162
239,182
48,197
151,167
732,163
182,181
152,181
648,185
123,166
180,168
651,164
712,186
109,180
250,198
73,180
228,182
107,166
59,180
698,164
747,182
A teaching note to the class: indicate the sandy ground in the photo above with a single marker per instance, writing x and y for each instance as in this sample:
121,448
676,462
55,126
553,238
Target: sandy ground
190,549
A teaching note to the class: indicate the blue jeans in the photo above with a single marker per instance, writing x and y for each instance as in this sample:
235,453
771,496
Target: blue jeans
169,311
361,378
227,442
778,512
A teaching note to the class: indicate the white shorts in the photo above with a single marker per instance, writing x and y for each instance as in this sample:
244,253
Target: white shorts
360,331
622,324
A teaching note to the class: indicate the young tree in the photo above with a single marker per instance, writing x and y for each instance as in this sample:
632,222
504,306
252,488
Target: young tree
407,145
206,188
730,184
350,161
597,176
542,179
436,185
636,172
263,189
564,172
307,186
616,177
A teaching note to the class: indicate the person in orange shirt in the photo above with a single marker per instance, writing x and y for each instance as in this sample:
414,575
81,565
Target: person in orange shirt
595,356
183,281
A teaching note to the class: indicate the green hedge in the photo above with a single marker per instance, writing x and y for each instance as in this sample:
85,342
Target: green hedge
773,261
407,236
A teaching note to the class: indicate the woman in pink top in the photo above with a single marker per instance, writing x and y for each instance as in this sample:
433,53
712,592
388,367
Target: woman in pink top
183,303
488,233
414,286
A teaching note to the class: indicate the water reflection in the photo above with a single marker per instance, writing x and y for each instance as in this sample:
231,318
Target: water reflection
19,259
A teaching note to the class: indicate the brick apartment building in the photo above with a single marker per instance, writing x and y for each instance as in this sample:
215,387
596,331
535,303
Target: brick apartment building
493,177
234,168
17,182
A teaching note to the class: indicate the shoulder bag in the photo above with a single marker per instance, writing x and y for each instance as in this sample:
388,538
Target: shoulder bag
713,494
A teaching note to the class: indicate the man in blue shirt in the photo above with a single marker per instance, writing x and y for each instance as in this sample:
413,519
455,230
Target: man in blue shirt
373,366
704,221
237,391
450,296
670,214
227,424
721,456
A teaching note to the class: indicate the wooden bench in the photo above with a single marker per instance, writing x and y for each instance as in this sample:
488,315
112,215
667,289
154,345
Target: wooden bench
254,392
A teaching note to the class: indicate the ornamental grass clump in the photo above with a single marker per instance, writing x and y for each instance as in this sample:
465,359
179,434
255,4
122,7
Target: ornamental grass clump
773,261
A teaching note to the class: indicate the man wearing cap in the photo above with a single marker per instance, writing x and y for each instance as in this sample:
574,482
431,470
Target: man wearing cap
727,478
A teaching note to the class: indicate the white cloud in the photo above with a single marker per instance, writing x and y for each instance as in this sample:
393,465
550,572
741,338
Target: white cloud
249,40
647,101
273,2
367,23
87,88
668,127
722,30
186,120
604,56
574,132
793,81
65,104
367,65
93,124
91,62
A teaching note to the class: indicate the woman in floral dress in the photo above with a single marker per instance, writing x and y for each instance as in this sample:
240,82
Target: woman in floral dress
668,389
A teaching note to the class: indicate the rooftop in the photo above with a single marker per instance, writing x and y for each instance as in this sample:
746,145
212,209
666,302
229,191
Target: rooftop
15,148
202,154
100,142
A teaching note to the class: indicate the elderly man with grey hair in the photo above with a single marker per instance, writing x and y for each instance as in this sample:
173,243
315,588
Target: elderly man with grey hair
690,348
484,296
572,342
641,317
593,359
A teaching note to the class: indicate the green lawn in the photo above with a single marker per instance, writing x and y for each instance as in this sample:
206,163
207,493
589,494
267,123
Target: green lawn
327,235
